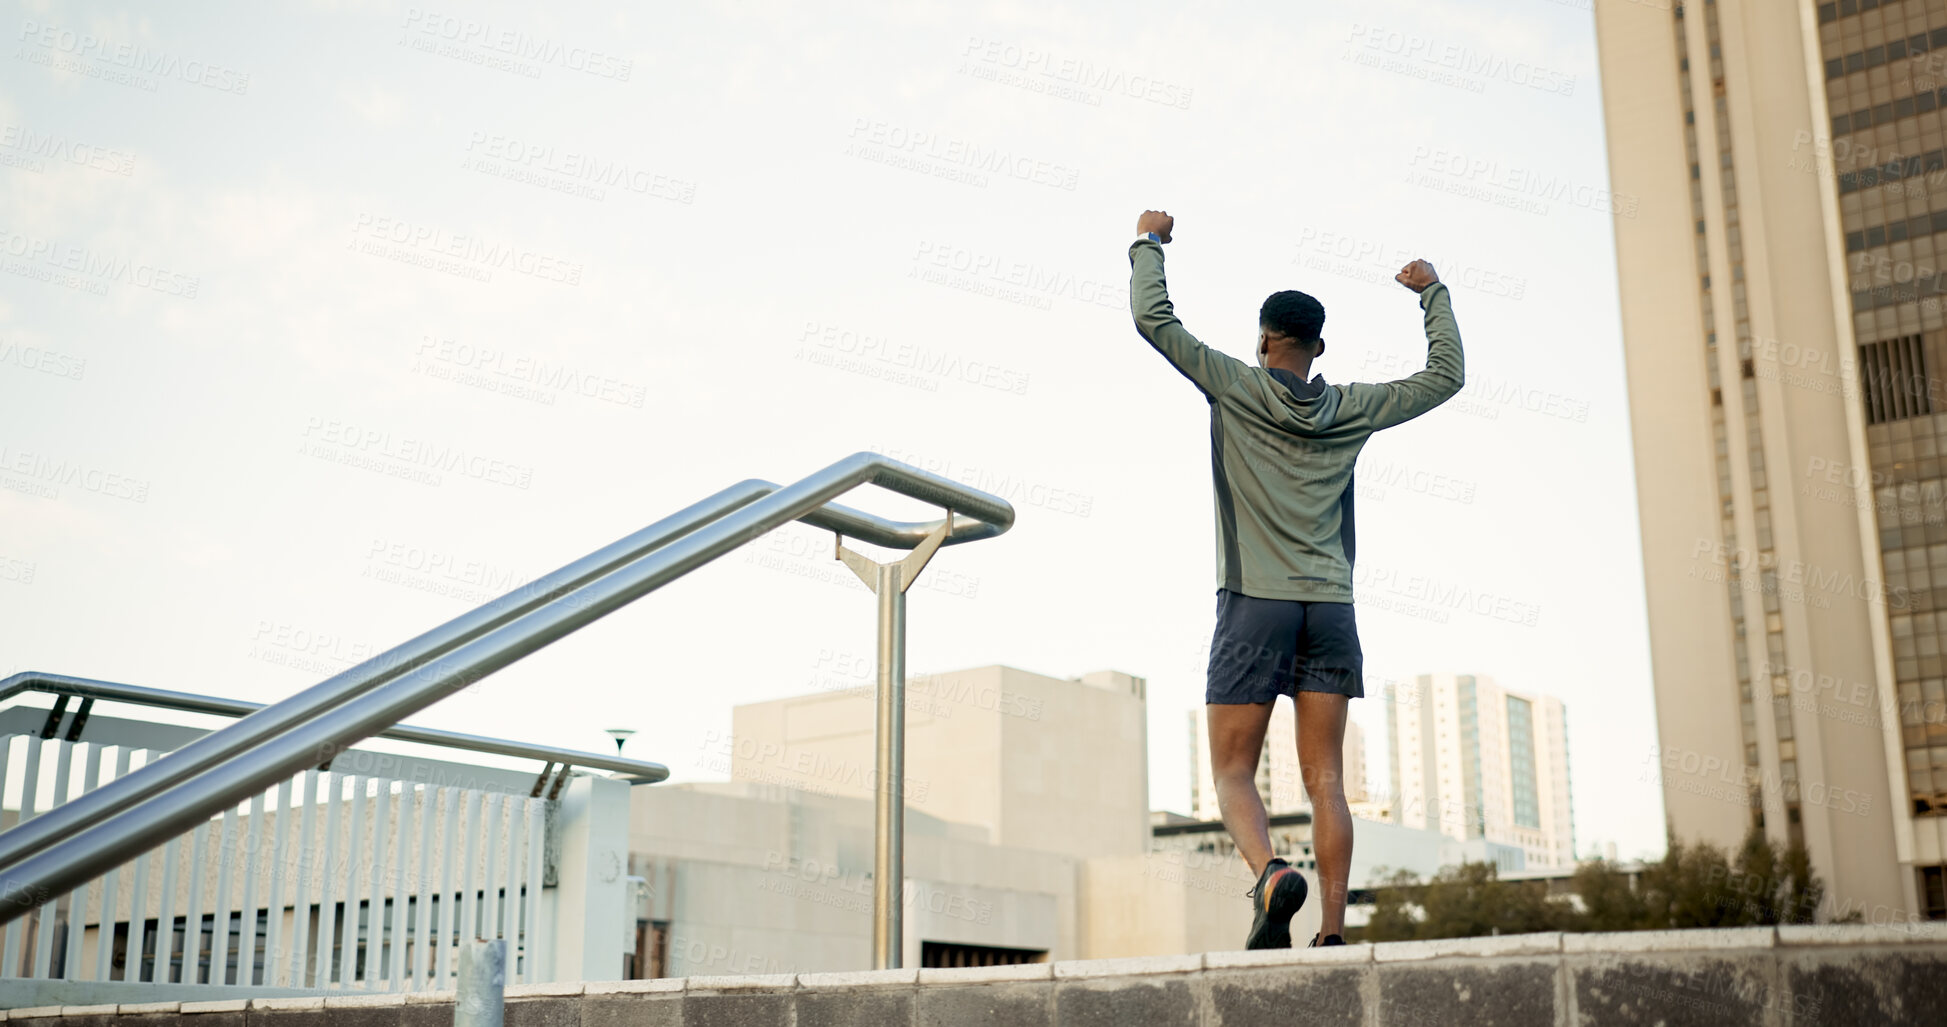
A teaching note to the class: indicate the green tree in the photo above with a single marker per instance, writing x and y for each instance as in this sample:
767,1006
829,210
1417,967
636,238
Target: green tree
1803,889
1609,901
1687,888
1471,900
1392,914
1460,902
1755,885
1695,884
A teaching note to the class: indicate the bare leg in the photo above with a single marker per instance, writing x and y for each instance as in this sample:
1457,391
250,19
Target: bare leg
1321,759
1236,741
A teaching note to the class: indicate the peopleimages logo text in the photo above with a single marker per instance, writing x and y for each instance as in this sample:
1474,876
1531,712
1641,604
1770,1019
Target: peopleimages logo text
76,51
42,468
1075,71
85,263
418,453
892,136
1463,59
518,44
67,150
438,242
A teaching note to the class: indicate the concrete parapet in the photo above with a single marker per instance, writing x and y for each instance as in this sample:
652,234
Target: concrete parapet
1761,977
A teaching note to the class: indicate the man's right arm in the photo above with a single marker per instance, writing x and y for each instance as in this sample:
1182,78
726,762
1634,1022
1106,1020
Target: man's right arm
1149,304
1390,403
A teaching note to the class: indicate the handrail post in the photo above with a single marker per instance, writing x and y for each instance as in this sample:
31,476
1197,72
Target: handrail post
889,851
890,581
479,999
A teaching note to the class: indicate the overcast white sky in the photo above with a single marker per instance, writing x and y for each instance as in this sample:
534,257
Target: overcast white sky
302,245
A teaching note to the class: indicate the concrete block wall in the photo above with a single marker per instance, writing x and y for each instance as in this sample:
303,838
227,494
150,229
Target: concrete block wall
1762,977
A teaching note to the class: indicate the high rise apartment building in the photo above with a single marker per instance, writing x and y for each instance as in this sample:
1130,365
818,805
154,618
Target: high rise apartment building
1472,760
1783,338
1278,777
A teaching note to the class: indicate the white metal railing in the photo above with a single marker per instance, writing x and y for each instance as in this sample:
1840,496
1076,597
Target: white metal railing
362,877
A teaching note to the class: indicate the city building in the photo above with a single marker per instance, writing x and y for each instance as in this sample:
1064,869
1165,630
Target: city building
1054,764
1781,174
1027,836
1472,760
1380,847
1278,777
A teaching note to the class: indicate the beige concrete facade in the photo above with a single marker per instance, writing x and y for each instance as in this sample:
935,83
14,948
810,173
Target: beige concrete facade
757,878
1041,762
1780,529
750,878
1027,836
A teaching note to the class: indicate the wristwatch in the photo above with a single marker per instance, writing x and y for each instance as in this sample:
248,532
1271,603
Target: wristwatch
1152,237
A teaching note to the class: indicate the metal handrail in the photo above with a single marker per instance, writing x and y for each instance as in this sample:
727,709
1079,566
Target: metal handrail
218,747
309,728
636,771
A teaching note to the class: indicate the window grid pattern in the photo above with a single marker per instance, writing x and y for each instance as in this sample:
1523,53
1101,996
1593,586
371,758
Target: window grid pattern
1521,763
1897,318
1910,501
1470,746
1922,100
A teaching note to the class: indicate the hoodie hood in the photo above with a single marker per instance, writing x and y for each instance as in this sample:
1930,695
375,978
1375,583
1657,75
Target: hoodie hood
1313,406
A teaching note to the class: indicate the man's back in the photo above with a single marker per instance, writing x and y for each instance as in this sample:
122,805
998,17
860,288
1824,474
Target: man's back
1283,449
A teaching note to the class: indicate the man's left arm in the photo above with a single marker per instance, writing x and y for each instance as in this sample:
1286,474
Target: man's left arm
1149,303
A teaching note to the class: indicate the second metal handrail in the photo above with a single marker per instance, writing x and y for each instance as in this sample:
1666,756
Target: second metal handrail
54,852
89,689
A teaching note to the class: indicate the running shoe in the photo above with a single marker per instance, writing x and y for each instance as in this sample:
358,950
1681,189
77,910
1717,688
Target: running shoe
1279,894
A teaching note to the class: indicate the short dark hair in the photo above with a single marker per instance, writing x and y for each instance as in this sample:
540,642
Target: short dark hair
1293,315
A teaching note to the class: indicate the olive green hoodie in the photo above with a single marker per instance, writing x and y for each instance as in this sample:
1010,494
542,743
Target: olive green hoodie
1282,449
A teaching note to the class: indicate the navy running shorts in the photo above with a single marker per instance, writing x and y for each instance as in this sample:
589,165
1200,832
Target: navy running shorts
1265,648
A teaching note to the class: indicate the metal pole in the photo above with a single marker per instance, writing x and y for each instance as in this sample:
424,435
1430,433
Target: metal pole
889,582
889,852
481,998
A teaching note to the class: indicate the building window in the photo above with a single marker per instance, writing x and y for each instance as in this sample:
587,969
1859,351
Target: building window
651,956
1933,892
1894,375
939,953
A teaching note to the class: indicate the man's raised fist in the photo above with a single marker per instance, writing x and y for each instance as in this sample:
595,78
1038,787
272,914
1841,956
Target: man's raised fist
1416,276
1155,221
